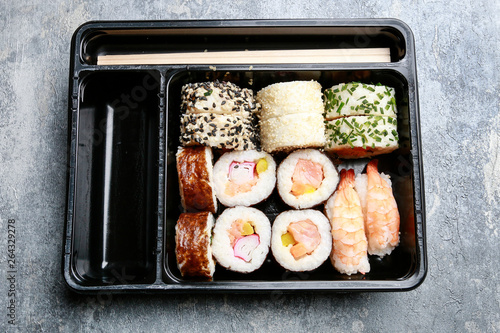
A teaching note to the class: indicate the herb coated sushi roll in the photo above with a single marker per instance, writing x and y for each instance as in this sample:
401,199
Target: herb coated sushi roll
306,178
301,239
241,239
244,178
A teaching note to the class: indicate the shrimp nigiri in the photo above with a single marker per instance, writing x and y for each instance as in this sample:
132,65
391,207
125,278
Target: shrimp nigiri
349,253
381,212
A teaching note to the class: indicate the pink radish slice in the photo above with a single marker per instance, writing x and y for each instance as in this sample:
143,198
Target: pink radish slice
241,172
243,248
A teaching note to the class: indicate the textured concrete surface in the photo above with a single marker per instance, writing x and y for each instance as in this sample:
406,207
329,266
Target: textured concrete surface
457,52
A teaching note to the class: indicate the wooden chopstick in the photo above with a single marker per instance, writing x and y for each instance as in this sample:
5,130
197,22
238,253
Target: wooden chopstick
311,56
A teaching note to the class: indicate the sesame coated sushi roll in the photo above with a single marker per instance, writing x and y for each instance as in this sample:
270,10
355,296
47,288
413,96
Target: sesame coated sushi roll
193,232
219,98
194,169
218,115
357,99
301,239
244,178
218,131
306,178
241,239
361,136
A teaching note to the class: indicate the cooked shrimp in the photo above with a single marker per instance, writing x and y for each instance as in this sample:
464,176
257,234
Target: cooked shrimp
349,253
382,215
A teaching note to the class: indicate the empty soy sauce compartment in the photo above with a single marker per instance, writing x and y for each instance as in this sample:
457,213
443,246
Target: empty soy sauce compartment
402,264
209,36
115,219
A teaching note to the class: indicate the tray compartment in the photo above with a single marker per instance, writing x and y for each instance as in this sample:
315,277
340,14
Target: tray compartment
402,264
115,220
124,40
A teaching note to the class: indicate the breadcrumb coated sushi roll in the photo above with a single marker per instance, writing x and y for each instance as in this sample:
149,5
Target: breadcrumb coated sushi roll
306,178
241,240
193,232
301,239
357,99
194,169
291,116
286,133
361,136
244,178
285,98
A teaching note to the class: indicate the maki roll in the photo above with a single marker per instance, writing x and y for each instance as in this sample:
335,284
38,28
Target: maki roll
301,239
194,168
218,115
361,136
285,133
192,245
291,116
244,178
217,97
241,239
218,131
306,178
359,99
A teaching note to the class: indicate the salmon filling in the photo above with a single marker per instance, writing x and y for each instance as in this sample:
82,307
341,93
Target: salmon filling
307,177
304,236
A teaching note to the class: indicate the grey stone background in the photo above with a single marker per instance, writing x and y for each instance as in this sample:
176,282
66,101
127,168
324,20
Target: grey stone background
457,47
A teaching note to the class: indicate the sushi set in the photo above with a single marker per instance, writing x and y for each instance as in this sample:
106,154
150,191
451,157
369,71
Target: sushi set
244,156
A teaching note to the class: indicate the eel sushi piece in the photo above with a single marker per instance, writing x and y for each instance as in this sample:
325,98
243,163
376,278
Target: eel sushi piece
193,251
194,169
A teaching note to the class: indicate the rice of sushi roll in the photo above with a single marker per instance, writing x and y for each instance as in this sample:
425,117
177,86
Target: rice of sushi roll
241,239
285,98
357,99
219,131
301,239
244,178
291,116
193,232
285,133
361,136
194,169
306,178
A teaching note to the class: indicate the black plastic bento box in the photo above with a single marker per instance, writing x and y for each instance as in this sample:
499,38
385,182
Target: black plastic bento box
123,195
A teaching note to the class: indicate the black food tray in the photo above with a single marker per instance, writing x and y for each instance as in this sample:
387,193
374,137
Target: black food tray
123,197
